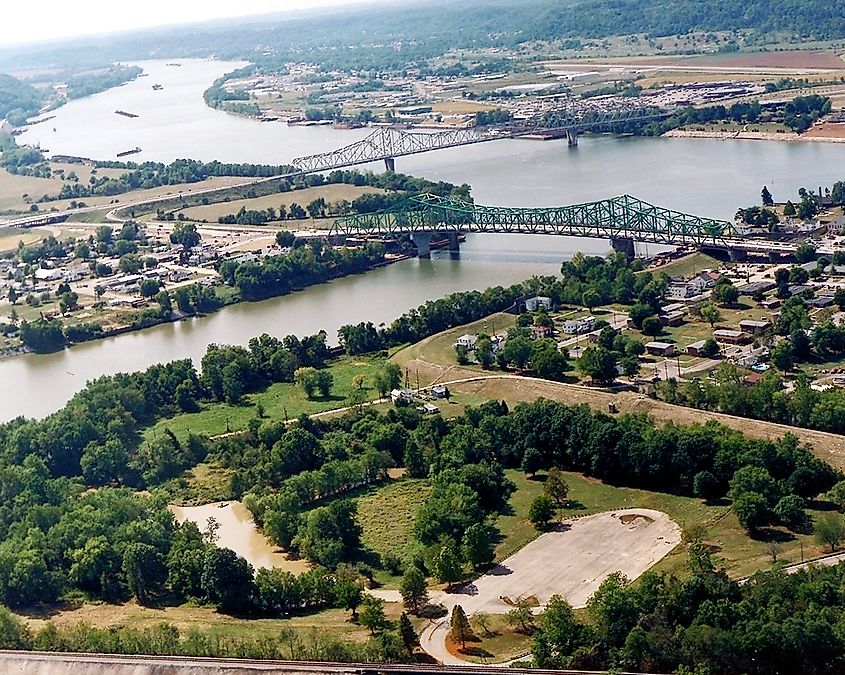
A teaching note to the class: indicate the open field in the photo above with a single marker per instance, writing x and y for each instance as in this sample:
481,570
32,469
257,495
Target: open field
10,237
331,193
387,513
689,265
282,400
331,623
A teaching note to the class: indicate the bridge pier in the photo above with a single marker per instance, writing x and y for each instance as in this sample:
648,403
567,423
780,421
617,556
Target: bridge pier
390,164
623,245
454,242
737,255
774,256
422,240
572,138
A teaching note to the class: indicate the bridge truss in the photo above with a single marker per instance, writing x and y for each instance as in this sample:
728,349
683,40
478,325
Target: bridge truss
623,217
390,142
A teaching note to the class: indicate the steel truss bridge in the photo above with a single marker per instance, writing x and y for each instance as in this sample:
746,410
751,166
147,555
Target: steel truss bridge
622,218
387,143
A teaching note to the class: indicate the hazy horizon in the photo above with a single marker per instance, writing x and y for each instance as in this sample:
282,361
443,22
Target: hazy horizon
30,24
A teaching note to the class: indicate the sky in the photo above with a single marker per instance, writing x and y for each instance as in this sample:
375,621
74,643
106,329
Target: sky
43,20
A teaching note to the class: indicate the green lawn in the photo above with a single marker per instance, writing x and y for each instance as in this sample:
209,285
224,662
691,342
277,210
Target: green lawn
387,514
501,643
283,400
687,266
732,547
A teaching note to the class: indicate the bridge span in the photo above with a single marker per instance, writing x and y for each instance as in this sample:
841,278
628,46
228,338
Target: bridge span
623,220
388,143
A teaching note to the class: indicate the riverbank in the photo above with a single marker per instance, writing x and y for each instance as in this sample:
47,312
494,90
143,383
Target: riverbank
758,136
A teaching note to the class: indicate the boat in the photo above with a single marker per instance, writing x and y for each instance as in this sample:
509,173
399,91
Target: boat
157,87
124,113
129,152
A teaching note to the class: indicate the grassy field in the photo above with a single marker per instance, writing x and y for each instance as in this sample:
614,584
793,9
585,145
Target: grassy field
331,193
10,237
440,348
732,548
688,265
283,400
387,514
499,643
333,623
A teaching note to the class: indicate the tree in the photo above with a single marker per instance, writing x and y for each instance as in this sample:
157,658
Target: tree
590,299
521,616
484,351
790,512
558,635
598,363
726,294
541,512
149,287
556,488
325,379
409,636
830,530
144,569
710,348
307,378
460,628
710,313
130,264
477,545
639,312
284,238
226,579
413,589
751,509
348,592
837,495
766,197
13,296
372,614
164,301
387,378
630,365
782,356
652,326
185,235
805,252
789,210
68,302
447,566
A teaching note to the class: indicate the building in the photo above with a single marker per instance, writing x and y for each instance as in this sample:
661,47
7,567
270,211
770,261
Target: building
539,332
440,391
401,396
821,301
771,303
467,341
696,348
672,318
533,304
575,326
731,337
754,327
756,287
42,274
660,348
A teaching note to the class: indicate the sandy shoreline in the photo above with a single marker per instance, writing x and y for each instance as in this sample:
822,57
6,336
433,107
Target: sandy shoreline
752,136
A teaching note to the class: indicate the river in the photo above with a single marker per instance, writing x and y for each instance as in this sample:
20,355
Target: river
707,177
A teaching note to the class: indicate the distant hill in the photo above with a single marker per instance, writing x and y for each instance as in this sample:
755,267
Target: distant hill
392,35
18,100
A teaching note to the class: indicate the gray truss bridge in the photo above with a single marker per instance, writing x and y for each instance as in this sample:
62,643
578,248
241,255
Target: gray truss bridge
387,143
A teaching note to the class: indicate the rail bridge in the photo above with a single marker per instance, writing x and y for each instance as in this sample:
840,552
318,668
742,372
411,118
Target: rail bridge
624,220
388,143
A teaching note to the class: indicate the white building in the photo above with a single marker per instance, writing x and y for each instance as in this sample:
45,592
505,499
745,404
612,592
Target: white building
533,304
583,325
467,341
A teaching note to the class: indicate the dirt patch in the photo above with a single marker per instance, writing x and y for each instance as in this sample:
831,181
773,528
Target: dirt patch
788,59
636,519
827,130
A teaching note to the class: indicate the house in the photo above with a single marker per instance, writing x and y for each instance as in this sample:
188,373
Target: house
48,275
752,378
696,348
681,289
754,327
401,396
672,318
467,341
539,332
731,337
751,358
533,304
660,348
756,287
799,289
583,325
673,307
440,391
821,301
771,303
706,280
428,409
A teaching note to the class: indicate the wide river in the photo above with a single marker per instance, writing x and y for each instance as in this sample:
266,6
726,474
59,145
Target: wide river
705,177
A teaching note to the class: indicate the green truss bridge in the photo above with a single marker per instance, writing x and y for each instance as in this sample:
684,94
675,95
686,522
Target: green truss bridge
624,220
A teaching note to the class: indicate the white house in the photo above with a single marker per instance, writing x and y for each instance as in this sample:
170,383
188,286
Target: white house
48,275
467,341
533,304
583,325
